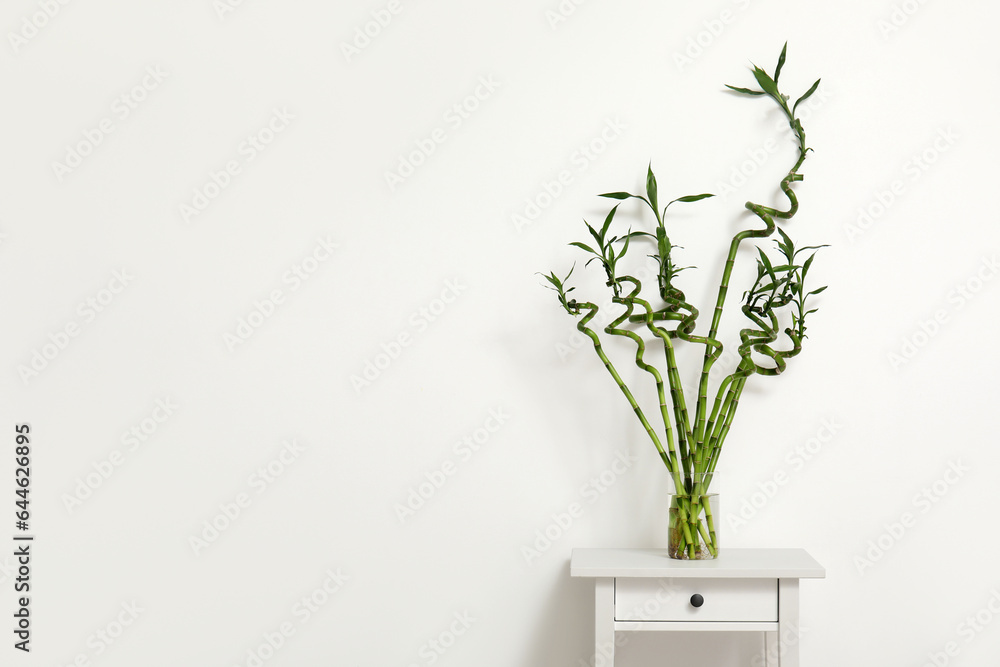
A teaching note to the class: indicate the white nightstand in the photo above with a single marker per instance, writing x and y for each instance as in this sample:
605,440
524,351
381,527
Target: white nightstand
755,590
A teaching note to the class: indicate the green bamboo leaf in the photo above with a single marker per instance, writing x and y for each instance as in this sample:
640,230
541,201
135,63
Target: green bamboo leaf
817,291
651,188
811,247
787,246
765,261
781,61
618,195
628,238
807,264
593,232
583,246
607,220
807,94
766,82
745,91
691,198
557,285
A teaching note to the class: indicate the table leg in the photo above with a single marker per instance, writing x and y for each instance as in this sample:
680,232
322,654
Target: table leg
770,649
788,622
604,622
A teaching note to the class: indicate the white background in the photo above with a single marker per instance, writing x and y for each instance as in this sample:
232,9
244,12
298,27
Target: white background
902,82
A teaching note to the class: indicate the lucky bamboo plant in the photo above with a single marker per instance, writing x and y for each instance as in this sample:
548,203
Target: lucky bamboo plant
690,445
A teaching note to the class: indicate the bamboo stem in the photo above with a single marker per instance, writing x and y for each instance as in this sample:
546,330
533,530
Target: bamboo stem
692,455
590,333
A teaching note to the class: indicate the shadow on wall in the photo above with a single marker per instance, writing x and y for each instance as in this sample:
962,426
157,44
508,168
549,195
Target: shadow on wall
564,632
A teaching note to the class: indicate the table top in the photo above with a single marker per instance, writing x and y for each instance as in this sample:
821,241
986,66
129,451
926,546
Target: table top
731,564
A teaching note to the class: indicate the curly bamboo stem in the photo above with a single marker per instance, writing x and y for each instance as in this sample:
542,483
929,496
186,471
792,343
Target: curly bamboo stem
692,455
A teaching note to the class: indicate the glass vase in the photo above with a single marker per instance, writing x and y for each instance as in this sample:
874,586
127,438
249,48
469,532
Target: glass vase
691,534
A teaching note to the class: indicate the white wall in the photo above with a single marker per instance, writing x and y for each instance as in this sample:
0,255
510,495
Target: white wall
888,97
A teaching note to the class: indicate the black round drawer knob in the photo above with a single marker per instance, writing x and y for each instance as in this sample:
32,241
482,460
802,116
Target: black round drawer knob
697,600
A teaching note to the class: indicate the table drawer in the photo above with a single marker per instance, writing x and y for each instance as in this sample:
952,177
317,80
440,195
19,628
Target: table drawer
639,599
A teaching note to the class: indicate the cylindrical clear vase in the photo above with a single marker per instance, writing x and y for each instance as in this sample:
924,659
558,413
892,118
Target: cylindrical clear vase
693,512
